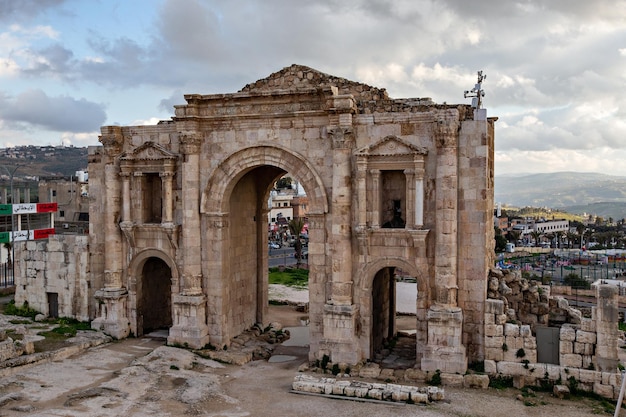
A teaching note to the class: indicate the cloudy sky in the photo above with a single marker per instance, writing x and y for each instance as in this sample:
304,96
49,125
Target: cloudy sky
556,69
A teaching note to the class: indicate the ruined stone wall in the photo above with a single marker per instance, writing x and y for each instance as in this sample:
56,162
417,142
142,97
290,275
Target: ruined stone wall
57,265
587,346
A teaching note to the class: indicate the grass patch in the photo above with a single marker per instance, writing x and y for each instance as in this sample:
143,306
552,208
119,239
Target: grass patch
291,277
23,311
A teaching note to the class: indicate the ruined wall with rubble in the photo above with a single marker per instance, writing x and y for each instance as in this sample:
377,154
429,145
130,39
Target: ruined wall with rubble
58,265
588,350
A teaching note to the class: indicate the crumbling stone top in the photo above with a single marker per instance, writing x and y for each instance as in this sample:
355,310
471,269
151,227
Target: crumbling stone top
298,77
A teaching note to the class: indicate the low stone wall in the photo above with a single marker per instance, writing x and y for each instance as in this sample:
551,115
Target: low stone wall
367,390
606,384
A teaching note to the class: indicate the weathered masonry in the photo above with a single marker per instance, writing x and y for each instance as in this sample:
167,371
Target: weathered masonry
178,216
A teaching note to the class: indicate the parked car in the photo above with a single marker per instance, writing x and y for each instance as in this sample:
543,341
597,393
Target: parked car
274,245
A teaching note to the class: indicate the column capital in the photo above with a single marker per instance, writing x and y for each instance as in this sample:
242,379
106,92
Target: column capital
190,143
343,137
446,133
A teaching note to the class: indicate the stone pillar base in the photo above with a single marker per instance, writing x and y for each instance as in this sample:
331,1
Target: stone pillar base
444,350
341,334
112,319
189,328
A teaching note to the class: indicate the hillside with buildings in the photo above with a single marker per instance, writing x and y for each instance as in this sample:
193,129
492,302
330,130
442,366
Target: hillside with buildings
42,161
581,193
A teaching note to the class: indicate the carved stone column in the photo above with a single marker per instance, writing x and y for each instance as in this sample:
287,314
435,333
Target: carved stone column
112,298
189,306
446,194
361,176
409,175
168,196
444,349
125,176
375,173
341,203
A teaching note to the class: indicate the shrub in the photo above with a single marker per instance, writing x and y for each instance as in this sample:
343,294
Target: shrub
436,378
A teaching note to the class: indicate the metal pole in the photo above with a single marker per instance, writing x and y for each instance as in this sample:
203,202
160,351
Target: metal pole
12,174
618,406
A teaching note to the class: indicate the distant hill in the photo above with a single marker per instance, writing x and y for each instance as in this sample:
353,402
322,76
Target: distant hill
42,161
575,192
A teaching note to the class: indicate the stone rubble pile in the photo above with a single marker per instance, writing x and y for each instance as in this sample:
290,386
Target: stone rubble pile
367,390
527,301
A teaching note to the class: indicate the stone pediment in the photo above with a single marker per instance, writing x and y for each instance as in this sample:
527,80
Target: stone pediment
300,77
391,146
149,151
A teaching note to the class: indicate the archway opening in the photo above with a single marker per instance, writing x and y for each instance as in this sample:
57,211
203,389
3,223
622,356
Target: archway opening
156,295
394,320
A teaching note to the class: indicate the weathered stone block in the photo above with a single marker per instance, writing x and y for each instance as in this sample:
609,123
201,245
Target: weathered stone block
567,334
585,337
511,329
476,381
571,360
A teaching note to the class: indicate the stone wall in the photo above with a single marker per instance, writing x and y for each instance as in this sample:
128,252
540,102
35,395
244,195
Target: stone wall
58,265
587,346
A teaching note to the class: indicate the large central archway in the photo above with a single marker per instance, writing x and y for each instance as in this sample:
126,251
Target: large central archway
234,205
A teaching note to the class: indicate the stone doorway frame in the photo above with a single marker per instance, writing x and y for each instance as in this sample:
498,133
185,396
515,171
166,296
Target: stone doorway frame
135,275
214,208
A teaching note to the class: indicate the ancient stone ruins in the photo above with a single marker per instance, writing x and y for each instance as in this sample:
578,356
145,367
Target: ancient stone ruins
178,232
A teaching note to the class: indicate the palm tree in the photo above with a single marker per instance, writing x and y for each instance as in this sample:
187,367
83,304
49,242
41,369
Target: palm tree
580,229
513,235
295,227
536,235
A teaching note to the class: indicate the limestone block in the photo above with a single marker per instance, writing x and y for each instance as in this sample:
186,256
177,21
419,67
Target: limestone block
588,325
494,307
476,381
451,380
554,371
414,374
525,331
387,375
566,347
511,368
435,393
494,342
606,391
514,342
490,319
490,367
376,394
361,392
567,334
493,330
419,398
494,354
587,375
583,348
511,329
501,319
371,370
560,391
530,343
339,387
400,395
585,337
571,360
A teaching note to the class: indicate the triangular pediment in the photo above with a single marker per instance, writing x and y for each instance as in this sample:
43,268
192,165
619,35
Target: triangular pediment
299,77
391,146
149,151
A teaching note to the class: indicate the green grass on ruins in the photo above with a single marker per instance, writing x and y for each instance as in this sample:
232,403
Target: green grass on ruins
291,277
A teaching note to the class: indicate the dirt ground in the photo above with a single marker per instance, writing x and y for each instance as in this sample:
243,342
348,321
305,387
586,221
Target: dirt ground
143,377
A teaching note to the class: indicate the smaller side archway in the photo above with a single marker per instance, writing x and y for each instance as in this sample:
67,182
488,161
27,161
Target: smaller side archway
153,280
378,299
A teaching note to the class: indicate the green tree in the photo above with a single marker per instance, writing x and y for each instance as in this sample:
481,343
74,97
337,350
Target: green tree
284,182
536,235
295,228
500,240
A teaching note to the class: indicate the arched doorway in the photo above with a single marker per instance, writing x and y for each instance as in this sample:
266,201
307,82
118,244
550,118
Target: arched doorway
156,295
394,320
235,211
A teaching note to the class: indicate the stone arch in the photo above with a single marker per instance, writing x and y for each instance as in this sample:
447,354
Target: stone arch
241,280
365,297
226,175
135,284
